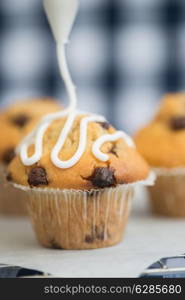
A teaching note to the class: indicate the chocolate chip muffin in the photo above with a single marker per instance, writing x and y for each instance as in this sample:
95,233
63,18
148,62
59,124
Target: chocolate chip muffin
86,205
162,144
17,121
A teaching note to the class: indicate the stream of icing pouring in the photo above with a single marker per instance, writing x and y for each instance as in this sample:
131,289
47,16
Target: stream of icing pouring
61,15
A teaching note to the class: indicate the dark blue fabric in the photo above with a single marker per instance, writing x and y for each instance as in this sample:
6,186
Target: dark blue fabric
123,55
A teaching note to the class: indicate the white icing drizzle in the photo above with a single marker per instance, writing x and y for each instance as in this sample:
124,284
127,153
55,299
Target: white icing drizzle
109,138
66,76
36,136
82,143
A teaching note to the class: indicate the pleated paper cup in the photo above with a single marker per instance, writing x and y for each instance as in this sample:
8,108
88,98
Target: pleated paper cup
167,196
12,200
73,219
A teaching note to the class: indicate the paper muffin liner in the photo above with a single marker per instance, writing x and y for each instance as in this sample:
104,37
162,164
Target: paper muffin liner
80,219
12,200
167,196
74,219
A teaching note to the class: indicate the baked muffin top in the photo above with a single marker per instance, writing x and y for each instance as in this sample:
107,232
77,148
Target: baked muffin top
18,120
125,165
162,142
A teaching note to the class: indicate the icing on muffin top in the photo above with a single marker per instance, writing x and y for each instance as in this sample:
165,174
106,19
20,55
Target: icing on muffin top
124,165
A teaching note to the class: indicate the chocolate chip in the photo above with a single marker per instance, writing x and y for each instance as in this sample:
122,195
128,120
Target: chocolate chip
99,233
177,123
8,155
113,150
103,177
54,244
89,239
37,176
20,120
105,125
9,177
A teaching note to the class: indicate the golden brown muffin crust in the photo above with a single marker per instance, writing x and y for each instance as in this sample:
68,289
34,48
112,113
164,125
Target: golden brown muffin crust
162,142
125,164
172,105
18,120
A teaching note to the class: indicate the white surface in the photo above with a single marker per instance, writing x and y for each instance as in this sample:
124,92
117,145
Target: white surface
147,239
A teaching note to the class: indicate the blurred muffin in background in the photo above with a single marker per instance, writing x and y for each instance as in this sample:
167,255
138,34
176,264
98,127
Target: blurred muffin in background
162,144
17,121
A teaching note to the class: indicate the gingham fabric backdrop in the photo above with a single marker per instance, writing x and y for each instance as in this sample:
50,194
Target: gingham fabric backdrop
124,54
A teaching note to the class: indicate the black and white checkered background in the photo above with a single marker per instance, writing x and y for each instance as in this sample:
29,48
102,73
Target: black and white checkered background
124,54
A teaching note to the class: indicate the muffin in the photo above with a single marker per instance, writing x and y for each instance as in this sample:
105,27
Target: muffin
17,121
84,205
162,144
